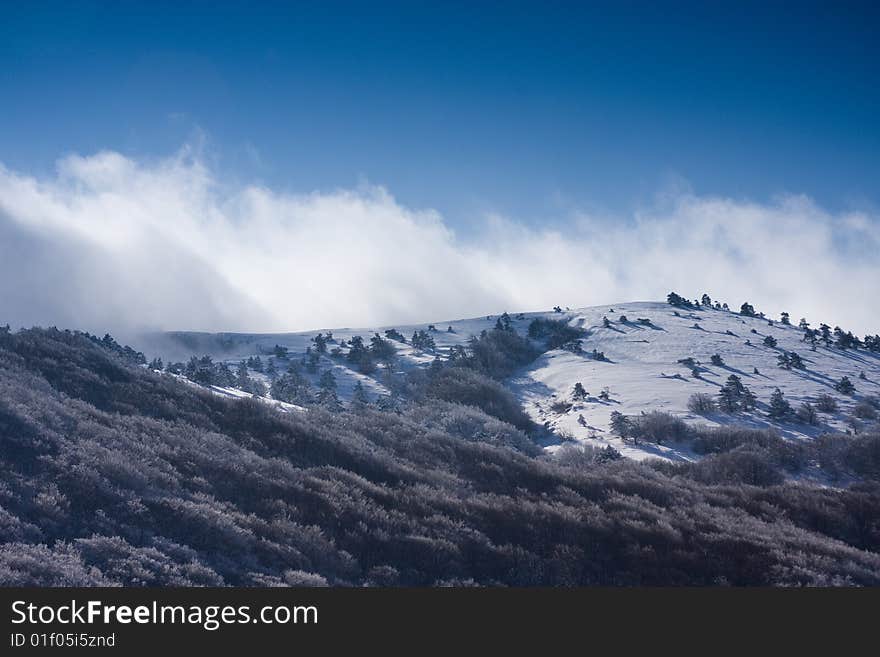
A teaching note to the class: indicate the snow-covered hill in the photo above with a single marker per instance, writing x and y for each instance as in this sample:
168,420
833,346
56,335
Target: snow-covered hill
642,344
643,372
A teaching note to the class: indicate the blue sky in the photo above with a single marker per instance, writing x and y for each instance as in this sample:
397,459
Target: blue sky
528,109
279,166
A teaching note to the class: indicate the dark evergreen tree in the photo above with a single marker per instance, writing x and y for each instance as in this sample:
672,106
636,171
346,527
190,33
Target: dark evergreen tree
734,396
504,323
728,399
747,400
327,390
394,334
242,380
621,425
845,386
845,339
311,359
779,409
359,397
360,356
292,387
382,350
674,299
320,343
423,341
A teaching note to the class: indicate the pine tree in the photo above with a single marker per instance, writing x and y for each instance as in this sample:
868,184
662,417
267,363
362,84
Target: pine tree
394,334
621,424
674,299
747,309
242,380
734,396
359,397
327,390
579,392
311,359
382,350
504,323
779,406
423,341
320,343
845,386
258,388
728,398
747,399
770,341
785,318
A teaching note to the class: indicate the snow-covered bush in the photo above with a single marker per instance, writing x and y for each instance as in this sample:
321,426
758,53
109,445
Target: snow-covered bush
702,403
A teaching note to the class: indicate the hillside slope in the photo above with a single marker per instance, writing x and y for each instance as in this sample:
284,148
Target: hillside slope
641,371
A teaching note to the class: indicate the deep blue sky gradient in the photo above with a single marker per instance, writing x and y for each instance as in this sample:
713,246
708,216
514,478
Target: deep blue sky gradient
530,109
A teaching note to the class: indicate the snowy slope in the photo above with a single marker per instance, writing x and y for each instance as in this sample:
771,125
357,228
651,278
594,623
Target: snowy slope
641,374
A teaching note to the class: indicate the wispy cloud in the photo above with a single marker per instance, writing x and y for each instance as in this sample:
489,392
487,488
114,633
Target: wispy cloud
112,242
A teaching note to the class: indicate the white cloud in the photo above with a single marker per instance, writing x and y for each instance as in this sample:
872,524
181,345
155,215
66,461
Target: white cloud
111,242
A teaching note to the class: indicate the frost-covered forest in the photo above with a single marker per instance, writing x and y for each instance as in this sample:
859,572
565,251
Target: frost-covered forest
113,473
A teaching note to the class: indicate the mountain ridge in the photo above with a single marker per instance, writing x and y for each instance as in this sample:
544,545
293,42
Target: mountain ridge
635,357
